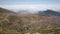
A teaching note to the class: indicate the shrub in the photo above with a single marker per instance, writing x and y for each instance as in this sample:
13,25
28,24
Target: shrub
11,18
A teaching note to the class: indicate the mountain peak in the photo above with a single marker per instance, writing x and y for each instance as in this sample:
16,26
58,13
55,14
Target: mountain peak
50,10
50,13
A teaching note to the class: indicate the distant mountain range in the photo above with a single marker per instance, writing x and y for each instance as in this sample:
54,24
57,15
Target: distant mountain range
43,13
49,13
25,12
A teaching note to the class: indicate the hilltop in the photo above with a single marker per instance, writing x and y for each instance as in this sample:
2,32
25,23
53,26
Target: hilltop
49,13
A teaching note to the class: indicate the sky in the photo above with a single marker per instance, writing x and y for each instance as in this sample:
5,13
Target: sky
32,5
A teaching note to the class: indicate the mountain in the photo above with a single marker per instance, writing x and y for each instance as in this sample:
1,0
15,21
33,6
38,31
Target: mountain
49,13
6,11
20,24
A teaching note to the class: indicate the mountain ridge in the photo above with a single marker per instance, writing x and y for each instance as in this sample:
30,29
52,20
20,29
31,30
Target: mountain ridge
49,13
3,10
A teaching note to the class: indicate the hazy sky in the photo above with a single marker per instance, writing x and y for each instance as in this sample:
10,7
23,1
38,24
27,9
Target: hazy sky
30,4
29,1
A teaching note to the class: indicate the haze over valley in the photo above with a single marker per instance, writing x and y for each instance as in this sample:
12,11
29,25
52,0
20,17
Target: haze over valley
29,16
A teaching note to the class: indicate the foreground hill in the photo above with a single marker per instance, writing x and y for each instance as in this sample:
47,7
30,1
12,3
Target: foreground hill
19,24
6,11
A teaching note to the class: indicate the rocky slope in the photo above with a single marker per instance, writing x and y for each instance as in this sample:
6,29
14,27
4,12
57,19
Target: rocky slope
11,23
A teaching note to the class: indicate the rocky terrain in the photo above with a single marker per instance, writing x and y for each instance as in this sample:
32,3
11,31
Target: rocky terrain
12,23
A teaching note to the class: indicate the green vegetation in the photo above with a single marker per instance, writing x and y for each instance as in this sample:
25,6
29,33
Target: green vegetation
11,18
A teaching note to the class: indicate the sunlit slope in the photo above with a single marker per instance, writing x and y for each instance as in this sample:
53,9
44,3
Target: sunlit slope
13,23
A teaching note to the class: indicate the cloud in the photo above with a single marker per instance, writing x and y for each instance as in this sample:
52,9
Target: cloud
31,7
